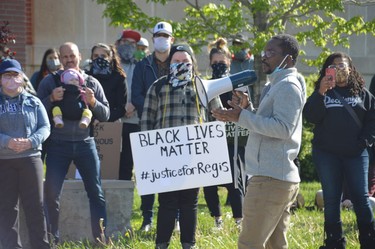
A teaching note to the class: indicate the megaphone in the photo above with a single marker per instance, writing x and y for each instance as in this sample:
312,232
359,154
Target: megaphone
209,89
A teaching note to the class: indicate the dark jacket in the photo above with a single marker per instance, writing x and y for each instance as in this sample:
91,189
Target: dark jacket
335,130
115,89
145,73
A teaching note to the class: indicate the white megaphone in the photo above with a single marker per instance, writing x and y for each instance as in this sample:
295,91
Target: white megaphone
209,89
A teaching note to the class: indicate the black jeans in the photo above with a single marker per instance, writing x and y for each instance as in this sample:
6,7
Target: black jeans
126,157
186,203
22,178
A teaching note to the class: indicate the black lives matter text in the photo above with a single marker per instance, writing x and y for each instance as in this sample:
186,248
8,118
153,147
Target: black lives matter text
170,144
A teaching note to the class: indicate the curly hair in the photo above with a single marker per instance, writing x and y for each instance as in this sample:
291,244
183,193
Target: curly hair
112,53
219,47
356,83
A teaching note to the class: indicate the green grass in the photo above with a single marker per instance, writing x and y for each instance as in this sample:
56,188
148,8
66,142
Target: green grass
306,227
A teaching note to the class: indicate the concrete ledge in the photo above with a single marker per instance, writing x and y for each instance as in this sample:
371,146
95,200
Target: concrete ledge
75,213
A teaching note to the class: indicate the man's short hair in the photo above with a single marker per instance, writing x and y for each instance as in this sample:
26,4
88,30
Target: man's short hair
288,44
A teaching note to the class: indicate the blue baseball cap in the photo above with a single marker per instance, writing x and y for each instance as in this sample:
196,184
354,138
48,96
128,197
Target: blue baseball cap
10,65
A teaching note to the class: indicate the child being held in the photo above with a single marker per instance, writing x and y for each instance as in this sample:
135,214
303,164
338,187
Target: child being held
74,105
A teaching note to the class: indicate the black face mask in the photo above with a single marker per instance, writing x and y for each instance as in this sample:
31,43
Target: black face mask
101,66
219,70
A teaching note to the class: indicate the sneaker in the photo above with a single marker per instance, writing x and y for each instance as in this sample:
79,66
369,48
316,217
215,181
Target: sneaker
59,123
218,223
188,246
146,227
161,246
238,223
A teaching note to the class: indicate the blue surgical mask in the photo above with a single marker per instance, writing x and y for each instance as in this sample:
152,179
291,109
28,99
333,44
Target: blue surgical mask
241,55
279,68
53,64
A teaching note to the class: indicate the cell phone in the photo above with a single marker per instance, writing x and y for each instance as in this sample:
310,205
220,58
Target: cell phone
331,73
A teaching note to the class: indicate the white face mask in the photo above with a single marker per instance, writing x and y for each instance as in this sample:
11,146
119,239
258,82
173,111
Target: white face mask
162,44
11,83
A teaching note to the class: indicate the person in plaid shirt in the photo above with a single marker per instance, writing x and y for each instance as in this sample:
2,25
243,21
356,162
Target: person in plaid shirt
172,101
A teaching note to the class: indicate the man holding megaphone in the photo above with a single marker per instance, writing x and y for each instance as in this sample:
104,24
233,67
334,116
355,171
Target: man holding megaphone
275,131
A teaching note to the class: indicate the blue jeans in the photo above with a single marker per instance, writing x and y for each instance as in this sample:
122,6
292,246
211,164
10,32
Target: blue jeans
332,169
60,154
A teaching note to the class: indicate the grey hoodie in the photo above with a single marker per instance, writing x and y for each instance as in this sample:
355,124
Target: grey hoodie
275,130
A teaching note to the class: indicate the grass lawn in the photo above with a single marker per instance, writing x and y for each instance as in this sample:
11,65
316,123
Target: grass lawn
306,228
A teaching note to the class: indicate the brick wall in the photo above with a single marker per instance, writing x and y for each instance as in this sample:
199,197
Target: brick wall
19,15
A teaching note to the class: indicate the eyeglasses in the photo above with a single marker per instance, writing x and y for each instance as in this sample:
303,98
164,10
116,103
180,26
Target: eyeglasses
340,66
269,53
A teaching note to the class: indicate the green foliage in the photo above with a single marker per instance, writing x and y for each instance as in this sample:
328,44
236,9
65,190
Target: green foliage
314,22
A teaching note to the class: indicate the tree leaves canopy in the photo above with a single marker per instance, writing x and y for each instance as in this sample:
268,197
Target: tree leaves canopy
314,22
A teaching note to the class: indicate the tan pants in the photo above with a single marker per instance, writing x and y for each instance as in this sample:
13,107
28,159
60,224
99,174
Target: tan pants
266,212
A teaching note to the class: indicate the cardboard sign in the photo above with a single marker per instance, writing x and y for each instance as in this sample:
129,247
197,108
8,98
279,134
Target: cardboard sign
108,140
180,158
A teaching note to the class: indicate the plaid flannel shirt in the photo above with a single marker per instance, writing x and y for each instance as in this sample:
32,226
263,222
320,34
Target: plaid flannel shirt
166,106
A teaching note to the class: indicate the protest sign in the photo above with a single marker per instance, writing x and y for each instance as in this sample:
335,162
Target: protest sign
180,158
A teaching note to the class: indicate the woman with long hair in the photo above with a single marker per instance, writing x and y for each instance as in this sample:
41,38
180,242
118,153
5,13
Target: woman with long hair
343,112
106,68
220,61
50,63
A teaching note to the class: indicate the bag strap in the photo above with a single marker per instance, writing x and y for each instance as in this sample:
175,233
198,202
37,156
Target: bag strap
348,108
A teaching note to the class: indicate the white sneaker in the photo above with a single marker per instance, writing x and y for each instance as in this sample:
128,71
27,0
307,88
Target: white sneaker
219,223
59,123
238,223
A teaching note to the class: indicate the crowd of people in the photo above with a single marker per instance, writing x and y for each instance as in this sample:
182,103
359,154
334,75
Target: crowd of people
144,90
